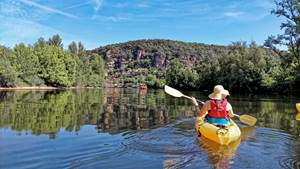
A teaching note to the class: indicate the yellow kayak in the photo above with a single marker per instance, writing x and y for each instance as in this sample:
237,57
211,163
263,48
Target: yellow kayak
223,136
298,106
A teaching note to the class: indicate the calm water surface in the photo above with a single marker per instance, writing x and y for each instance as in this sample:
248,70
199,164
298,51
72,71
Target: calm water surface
125,128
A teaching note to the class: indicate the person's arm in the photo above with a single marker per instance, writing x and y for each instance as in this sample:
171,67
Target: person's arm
229,110
204,109
201,114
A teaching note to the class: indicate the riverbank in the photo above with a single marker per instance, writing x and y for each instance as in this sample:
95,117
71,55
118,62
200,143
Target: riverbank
40,88
29,88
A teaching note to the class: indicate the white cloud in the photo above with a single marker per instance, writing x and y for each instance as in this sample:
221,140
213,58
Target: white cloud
13,31
110,18
78,5
233,14
48,9
18,23
97,4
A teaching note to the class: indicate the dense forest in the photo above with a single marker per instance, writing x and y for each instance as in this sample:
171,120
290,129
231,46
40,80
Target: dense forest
46,63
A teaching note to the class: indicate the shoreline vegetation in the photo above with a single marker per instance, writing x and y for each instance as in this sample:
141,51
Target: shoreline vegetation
28,88
48,65
40,88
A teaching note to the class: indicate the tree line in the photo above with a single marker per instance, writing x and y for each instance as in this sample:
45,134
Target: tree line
246,68
47,63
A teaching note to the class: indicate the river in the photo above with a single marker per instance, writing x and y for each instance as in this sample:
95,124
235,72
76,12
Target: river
128,128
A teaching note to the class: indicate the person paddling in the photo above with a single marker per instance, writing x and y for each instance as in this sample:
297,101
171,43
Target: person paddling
217,109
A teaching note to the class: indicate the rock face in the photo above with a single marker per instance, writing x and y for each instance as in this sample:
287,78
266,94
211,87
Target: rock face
158,52
128,62
138,54
159,60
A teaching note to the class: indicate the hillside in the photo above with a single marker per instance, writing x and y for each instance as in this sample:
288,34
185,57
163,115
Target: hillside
130,62
157,52
126,62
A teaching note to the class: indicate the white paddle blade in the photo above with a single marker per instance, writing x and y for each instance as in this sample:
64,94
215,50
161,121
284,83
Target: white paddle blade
173,92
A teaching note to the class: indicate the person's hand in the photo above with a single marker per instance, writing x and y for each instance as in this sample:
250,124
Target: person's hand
194,101
198,122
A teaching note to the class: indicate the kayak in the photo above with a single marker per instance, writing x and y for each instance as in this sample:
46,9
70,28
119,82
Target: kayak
223,136
298,106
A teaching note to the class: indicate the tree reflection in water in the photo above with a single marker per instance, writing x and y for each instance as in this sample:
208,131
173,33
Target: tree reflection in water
112,110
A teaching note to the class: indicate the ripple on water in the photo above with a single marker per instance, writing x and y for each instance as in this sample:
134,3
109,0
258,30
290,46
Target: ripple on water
175,144
289,162
270,148
291,158
92,150
162,141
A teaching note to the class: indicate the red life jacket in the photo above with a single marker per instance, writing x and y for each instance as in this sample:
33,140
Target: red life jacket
218,110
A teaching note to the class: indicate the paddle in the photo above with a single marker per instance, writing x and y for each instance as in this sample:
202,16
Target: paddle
246,119
173,92
298,114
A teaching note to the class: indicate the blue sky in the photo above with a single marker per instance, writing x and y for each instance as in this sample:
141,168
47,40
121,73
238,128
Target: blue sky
101,22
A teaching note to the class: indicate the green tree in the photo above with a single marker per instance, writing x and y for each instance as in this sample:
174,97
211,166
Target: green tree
179,76
72,48
26,64
71,67
41,42
55,41
96,78
290,11
53,67
82,52
174,74
243,68
83,71
8,75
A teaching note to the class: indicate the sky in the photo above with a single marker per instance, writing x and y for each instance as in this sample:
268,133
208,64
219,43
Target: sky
101,22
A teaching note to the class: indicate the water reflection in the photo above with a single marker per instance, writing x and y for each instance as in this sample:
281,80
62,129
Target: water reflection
270,113
219,156
111,110
222,156
247,133
115,109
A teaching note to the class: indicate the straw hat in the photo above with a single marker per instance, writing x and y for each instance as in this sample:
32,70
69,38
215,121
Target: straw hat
225,92
217,94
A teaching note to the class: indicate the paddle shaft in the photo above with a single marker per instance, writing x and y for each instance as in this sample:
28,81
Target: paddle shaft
199,101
